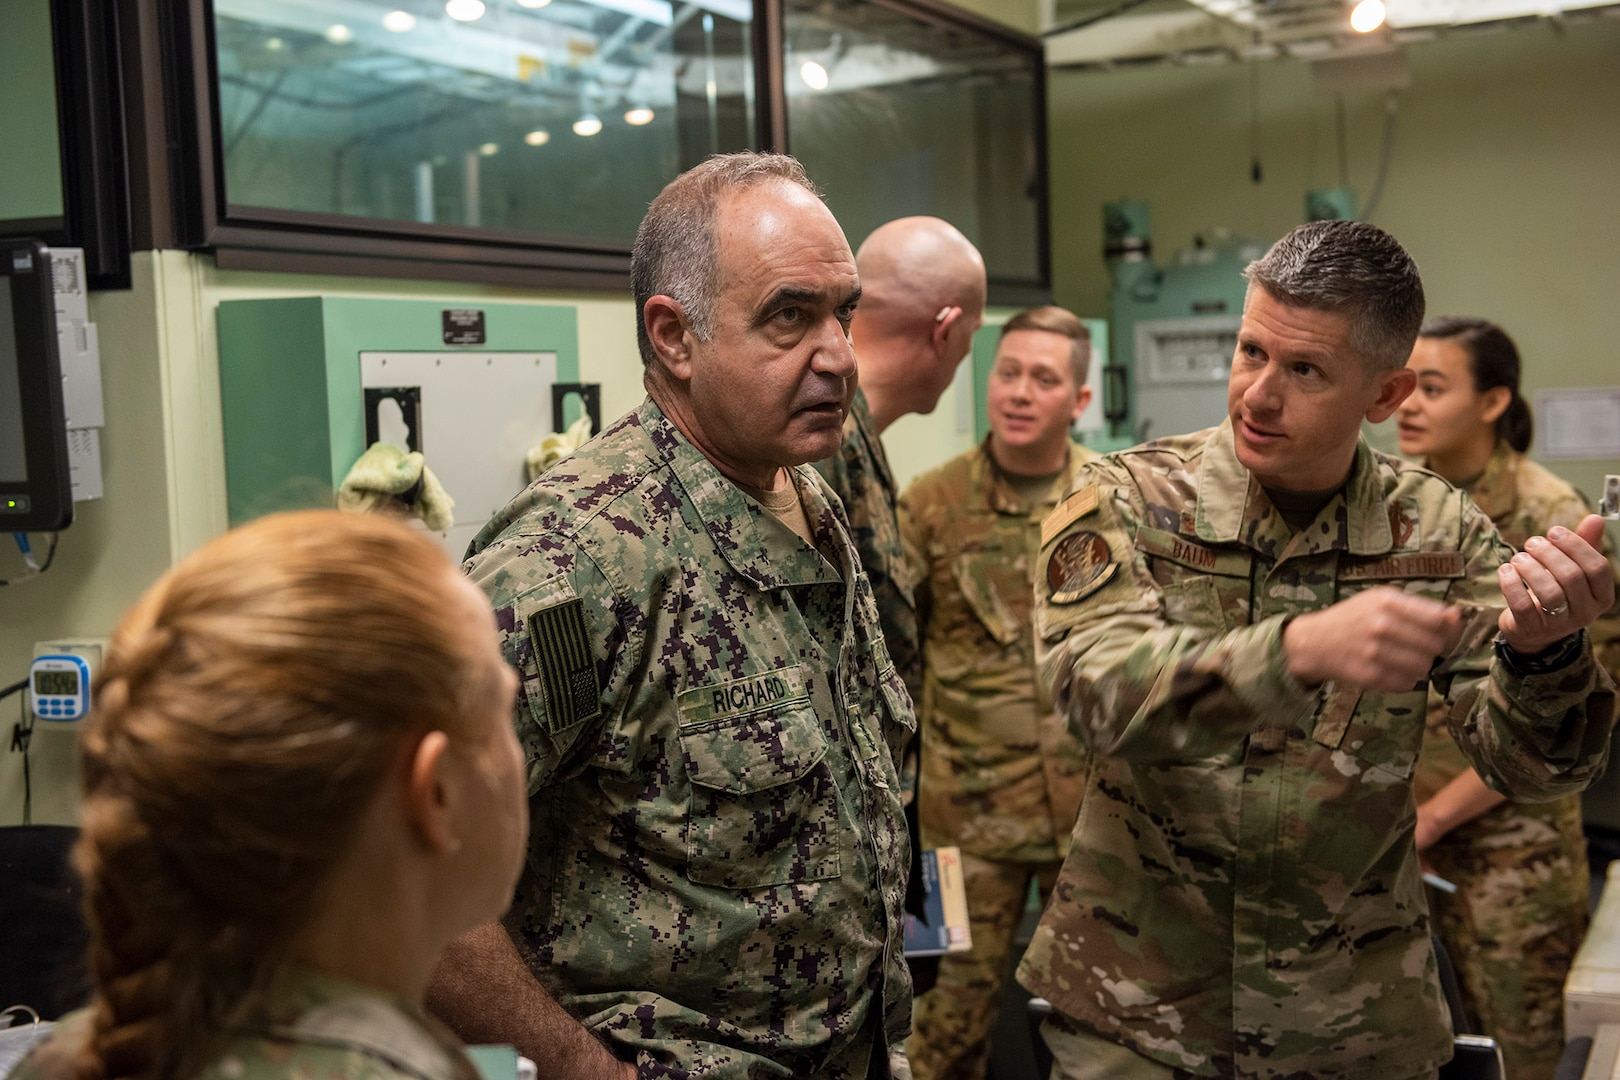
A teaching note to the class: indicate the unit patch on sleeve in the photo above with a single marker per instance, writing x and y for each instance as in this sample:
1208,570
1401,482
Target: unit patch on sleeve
1080,565
562,653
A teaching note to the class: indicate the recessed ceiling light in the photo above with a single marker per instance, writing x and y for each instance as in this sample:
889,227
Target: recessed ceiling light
464,10
1367,16
533,3
490,149
338,34
587,125
400,22
814,75
275,44
537,137
638,116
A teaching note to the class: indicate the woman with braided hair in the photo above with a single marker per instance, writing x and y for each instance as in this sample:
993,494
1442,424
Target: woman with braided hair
301,781
1520,909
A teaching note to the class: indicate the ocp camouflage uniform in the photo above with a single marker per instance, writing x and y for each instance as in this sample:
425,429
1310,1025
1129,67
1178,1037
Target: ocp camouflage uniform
717,859
1001,775
310,1026
1520,910
1243,897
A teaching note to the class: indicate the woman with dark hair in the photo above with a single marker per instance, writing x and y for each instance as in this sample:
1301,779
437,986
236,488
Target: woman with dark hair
300,782
1520,909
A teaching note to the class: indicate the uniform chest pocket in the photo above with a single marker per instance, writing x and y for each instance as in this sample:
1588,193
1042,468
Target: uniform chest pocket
1377,736
763,809
1193,601
997,589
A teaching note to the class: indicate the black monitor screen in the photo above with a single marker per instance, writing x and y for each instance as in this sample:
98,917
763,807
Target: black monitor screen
36,490
13,450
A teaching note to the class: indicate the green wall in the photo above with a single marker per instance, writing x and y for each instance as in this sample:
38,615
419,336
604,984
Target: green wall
1503,183
30,182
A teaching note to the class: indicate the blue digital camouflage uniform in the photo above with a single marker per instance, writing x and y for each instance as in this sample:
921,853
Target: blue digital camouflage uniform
709,714
1520,909
860,475
1242,896
311,1026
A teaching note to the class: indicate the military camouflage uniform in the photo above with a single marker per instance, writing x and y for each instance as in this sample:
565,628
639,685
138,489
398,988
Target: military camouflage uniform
1520,910
1001,775
1242,897
311,1027
859,474
709,714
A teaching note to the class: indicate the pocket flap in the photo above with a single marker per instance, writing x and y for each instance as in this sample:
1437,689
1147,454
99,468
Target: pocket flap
756,752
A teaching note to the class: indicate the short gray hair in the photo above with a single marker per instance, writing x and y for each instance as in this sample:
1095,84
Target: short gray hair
1354,268
675,254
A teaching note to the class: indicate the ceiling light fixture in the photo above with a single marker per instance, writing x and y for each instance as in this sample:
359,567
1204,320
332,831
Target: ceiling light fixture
338,34
587,125
490,149
638,116
1367,16
275,44
464,10
537,137
814,75
533,3
400,22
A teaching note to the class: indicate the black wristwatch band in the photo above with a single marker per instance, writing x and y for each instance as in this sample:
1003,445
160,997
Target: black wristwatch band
1558,656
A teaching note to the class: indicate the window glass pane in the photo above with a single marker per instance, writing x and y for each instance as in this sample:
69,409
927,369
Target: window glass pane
31,166
894,115
555,117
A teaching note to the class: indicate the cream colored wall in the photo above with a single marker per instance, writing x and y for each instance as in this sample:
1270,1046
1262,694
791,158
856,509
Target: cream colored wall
1025,15
1505,168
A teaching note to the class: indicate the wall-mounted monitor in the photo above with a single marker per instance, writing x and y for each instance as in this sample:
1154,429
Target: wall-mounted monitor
36,493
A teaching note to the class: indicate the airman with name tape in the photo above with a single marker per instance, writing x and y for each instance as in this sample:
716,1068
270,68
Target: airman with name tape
1244,623
709,712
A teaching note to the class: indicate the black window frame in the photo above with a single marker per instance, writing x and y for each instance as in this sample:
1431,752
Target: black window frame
259,238
90,129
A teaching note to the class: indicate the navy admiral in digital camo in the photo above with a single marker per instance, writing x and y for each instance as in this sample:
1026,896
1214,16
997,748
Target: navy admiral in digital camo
715,882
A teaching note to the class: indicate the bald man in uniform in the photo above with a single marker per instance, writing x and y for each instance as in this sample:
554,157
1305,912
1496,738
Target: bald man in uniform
922,298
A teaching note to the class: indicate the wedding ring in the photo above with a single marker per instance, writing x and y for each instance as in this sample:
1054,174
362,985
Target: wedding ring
1555,612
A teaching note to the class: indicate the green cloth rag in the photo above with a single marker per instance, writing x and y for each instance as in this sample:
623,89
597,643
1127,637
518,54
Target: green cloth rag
387,477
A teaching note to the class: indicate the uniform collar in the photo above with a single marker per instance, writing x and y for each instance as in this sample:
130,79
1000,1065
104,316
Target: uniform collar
1358,517
308,1006
753,542
1496,490
987,477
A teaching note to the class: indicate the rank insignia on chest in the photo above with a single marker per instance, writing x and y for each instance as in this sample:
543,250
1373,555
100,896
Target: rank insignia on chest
1080,565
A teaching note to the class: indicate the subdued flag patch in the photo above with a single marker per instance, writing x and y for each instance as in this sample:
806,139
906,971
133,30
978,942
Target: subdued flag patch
562,652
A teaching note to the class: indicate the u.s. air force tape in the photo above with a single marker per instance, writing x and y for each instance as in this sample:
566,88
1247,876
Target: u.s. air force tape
1080,565
562,653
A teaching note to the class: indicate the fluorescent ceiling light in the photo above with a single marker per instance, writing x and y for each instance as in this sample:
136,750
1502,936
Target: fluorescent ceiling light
400,22
1407,13
464,10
